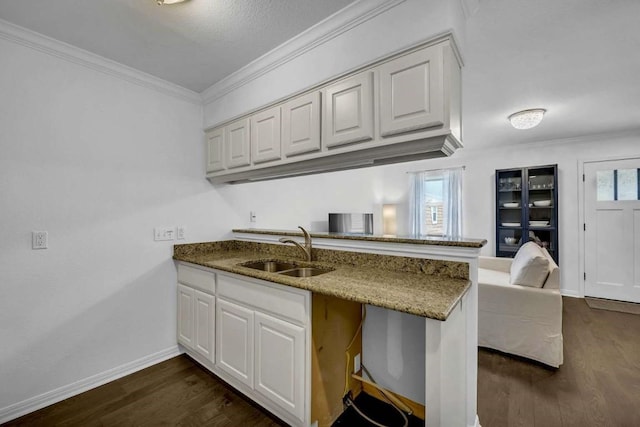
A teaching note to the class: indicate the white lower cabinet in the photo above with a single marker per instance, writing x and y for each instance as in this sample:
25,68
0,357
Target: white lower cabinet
185,315
234,340
204,314
256,335
196,310
279,363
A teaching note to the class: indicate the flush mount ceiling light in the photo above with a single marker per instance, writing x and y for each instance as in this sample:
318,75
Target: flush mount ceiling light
161,2
527,119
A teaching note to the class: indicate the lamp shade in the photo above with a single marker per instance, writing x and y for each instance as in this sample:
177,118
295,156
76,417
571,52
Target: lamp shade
527,119
389,225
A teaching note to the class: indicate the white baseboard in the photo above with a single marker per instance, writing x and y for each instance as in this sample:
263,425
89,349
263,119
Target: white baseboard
45,399
568,293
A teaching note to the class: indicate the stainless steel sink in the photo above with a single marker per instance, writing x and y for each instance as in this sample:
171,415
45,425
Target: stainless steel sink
304,272
271,266
285,268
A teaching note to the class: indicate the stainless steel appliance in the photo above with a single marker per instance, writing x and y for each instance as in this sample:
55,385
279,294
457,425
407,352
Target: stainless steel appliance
360,223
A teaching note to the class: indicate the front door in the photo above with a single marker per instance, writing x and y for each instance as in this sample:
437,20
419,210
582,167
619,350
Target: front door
612,229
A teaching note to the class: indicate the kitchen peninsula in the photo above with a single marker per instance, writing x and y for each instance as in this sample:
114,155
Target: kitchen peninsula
435,279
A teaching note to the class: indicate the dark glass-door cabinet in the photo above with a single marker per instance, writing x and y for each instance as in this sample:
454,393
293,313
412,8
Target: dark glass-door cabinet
527,209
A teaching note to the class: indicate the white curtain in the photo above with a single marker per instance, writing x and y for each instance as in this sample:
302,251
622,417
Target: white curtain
416,203
452,208
451,195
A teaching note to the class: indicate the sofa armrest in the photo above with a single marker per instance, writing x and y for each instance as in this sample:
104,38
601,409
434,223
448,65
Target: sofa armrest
542,304
495,263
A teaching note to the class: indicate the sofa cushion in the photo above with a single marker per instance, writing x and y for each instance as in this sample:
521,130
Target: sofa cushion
530,266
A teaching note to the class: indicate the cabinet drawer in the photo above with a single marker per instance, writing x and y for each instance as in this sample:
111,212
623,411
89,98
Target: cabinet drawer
197,278
272,298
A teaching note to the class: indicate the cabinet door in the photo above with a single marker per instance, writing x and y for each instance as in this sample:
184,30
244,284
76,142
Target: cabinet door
185,315
279,364
348,111
236,139
265,135
301,124
204,314
234,340
411,92
215,150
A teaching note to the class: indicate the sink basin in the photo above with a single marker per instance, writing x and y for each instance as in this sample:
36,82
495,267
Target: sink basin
304,272
272,266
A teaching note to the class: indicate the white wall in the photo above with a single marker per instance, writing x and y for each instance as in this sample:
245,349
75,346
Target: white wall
97,162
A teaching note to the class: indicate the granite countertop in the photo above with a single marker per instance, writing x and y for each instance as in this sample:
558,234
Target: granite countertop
415,239
426,288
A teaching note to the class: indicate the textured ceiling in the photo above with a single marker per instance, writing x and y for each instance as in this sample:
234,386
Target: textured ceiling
579,59
194,44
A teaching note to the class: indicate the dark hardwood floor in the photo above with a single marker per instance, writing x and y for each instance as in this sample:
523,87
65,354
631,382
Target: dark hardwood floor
598,385
177,392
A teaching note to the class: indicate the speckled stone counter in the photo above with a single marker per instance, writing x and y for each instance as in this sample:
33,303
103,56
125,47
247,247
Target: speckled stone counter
423,287
418,240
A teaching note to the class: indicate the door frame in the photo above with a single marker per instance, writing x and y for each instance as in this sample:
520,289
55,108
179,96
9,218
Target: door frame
582,208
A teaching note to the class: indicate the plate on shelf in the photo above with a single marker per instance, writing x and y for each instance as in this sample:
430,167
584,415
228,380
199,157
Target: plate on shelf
542,203
511,224
511,205
538,223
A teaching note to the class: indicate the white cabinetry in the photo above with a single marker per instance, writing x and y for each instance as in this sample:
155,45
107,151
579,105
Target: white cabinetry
265,135
347,115
411,92
279,362
234,340
401,108
237,143
256,335
185,315
196,310
301,124
263,341
215,150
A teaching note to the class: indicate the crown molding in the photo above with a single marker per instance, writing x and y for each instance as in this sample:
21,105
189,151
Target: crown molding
340,22
31,39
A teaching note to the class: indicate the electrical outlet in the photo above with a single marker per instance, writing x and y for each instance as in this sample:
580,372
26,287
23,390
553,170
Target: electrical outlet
164,233
356,363
182,231
252,216
39,240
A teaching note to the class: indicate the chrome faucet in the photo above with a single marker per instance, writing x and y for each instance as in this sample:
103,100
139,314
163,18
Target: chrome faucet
307,244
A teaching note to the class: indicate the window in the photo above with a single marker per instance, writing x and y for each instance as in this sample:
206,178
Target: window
436,202
618,184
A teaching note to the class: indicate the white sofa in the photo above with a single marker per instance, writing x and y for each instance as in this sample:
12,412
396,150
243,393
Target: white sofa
520,320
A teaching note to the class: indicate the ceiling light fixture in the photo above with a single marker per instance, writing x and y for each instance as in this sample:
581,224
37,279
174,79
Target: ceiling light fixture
527,119
161,2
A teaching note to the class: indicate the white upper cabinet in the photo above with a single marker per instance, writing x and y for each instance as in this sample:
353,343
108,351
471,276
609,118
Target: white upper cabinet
301,124
348,111
237,143
215,150
411,92
265,135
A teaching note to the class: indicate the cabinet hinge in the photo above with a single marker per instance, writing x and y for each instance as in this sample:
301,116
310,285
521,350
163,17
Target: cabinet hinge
584,226
585,276
583,179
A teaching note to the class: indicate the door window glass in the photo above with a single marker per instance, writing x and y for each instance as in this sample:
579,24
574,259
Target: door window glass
605,185
627,184
618,184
